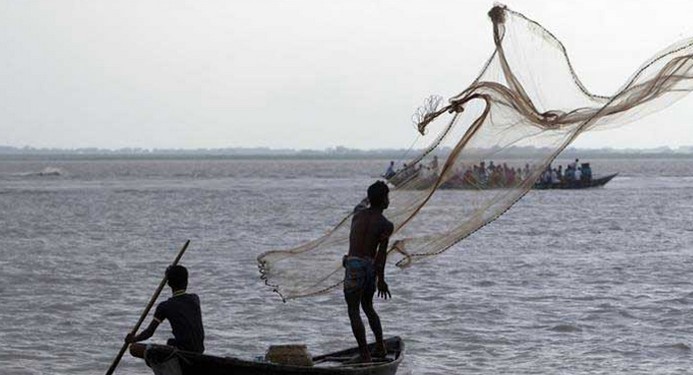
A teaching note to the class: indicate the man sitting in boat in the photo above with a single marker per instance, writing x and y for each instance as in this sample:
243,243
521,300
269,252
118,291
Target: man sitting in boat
183,313
365,264
390,171
434,165
586,172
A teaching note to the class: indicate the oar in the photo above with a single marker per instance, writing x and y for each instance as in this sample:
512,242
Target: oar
146,311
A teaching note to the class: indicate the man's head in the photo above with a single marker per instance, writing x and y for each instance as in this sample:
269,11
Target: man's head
377,195
177,277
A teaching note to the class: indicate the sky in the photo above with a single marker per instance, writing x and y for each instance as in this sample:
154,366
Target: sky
304,74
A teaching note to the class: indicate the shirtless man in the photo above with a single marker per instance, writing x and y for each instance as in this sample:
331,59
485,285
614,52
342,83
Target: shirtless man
365,267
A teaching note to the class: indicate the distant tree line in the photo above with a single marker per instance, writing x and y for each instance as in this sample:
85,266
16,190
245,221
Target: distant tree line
334,152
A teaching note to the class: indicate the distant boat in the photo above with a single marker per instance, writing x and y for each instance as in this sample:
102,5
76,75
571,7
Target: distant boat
412,181
337,363
46,172
583,184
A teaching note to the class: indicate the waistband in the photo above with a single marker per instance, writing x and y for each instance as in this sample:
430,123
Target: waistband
362,259
350,257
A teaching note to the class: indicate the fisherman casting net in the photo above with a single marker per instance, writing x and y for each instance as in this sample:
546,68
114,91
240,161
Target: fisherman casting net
523,109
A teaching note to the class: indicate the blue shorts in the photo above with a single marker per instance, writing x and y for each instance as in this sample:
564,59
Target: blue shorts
359,277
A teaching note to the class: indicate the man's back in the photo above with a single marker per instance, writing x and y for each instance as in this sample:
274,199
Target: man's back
185,316
368,228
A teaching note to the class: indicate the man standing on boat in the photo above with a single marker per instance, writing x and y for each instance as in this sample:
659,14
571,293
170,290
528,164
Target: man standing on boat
183,312
365,267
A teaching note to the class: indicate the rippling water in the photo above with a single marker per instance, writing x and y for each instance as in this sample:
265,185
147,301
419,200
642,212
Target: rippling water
576,282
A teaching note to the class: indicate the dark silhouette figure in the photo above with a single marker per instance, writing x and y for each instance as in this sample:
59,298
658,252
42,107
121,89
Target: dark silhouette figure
183,312
365,266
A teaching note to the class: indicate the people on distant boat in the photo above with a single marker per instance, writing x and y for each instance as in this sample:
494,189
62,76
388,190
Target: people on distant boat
390,170
495,179
525,172
586,172
575,164
183,313
410,170
502,175
577,173
365,267
574,173
569,175
554,176
545,177
483,175
434,164
509,175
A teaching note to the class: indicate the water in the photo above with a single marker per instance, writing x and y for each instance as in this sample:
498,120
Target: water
576,282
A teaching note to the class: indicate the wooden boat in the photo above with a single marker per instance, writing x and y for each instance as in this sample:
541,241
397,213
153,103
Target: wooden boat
337,363
595,182
459,184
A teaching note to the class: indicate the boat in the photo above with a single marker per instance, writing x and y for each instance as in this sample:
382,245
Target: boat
582,184
337,363
460,184
415,179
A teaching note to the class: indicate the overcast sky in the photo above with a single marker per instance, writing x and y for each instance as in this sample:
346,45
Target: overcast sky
293,74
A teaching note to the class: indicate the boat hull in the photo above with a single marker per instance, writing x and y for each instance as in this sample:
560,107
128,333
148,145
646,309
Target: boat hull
596,182
459,184
327,364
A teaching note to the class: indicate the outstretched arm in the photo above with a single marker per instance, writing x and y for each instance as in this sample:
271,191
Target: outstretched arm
147,333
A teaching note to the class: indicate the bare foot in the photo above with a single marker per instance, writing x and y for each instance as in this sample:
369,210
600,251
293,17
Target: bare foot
380,351
360,359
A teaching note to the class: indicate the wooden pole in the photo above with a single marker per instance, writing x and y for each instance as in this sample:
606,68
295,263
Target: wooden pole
146,311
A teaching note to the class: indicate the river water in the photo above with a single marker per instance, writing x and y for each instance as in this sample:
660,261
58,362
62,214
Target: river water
567,282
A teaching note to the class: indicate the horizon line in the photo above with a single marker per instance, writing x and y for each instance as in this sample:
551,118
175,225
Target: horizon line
333,149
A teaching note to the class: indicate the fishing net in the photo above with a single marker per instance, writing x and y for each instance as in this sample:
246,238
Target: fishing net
495,141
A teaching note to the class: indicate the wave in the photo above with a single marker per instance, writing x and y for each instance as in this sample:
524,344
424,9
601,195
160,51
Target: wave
45,172
565,328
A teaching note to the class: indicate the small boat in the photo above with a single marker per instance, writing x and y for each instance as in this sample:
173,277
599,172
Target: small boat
414,181
337,363
582,184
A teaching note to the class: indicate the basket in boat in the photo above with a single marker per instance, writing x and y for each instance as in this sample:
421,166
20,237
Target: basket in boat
296,355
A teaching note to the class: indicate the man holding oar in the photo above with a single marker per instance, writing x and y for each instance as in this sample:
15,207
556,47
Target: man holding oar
183,312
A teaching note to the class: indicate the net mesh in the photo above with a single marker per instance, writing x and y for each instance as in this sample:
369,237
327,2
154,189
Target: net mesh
495,140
